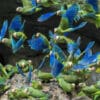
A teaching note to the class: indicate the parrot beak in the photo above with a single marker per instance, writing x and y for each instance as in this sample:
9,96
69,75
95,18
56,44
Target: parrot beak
19,9
37,34
15,34
55,30
59,12
38,1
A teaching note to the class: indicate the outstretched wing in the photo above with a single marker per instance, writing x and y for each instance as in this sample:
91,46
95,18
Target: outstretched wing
46,16
16,45
16,24
71,13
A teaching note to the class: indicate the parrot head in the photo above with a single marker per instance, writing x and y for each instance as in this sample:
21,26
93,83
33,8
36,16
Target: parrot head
5,40
19,9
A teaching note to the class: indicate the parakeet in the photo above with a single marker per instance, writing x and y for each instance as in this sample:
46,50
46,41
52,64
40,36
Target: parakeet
16,25
66,23
29,7
86,58
38,42
3,30
16,45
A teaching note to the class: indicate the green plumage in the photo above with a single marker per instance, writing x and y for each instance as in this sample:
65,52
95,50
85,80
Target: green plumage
28,7
67,87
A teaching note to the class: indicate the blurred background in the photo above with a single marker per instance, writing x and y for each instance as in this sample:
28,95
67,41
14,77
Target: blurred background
8,11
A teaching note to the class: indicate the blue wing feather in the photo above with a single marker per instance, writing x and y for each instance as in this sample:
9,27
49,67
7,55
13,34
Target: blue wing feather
37,44
34,3
13,42
81,25
78,41
71,47
29,78
3,30
71,12
16,45
42,63
20,70
79,67
46,16
16,24
89,46
77,53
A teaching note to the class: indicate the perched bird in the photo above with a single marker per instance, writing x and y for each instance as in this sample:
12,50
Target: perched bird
3,30
16,45
55,64
38,42
29,7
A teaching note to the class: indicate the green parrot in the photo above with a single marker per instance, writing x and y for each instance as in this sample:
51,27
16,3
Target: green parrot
15,45
29,7
90,12
66,24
